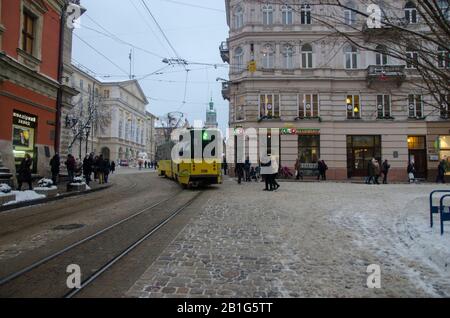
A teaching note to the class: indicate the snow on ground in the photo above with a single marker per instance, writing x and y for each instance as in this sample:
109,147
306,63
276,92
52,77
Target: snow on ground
22,196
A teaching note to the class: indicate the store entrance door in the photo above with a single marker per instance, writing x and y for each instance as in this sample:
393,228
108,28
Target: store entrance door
418,153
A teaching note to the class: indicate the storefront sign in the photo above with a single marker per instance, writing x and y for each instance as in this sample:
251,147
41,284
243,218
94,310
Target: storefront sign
434,157
295,131
288,131
24,119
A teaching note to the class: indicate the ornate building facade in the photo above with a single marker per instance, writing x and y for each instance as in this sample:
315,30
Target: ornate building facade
329,99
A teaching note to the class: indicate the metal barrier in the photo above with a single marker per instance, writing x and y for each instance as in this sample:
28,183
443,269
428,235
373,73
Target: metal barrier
435,209
445,216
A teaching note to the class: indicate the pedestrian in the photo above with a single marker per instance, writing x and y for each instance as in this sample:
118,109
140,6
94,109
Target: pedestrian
145,164
258,172
95,168
140,164
247,167
106,169
376,171
71,166
385,170
101,169
239,170
55,164
113,167
273,178
266,172
322,166
370,172
87,168
225,166
25,172
441,172
253,174
411,171
298,173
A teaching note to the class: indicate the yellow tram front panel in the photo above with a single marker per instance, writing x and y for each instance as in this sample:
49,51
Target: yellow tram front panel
165,168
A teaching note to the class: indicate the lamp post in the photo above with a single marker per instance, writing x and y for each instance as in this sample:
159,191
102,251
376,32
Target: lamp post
88,131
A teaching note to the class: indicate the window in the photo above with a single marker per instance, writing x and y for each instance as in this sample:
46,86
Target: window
411,13
445,106
349,15
351,57
28,32
269,105
127,129
381,57
239,108
307,56
443,58
288,57
412,58
415,106
81,84
268,57
308,150
238,17
384,106
106,93
267,14
353,107
239,59
121,128
286,13
305,14
309,106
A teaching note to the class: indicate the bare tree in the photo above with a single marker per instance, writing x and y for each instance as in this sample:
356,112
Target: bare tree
416,34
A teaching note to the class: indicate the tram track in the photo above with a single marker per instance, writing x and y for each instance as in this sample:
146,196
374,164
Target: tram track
97,253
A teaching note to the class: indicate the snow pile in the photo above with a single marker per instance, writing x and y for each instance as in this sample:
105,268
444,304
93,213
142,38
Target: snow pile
46,188
45,183
78,180
23,196
4,188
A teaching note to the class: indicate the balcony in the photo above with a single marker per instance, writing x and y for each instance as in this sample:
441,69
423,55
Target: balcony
225,52
386,27
226,90
386,73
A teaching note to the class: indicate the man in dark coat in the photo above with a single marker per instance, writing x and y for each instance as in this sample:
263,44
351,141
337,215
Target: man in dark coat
441,172
55,164
113,167
87,168
71,165
106,169
370,172
25,172
385,170
239,171
247,167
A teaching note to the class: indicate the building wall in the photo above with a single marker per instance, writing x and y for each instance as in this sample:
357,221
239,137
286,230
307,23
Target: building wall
332,82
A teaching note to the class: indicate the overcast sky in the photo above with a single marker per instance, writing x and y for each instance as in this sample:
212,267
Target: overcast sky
194,32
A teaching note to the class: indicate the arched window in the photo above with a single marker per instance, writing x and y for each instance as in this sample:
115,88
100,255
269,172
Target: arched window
381,57
350,15
238,17
410,12
239,59
307,56
305,14
287,16
443,58
268,57
351,57
267,14
412,57
288,57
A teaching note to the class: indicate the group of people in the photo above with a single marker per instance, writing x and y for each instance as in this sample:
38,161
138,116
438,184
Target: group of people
91,164
268,171
147,164
375,170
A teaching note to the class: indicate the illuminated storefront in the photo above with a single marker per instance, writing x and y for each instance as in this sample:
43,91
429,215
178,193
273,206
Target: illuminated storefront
24,136
444,150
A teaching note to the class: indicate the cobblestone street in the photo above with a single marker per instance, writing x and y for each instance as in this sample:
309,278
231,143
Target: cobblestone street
305,240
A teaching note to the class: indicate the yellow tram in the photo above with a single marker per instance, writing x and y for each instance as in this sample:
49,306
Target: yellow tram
196,171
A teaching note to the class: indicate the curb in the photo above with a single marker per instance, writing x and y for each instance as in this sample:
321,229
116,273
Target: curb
46,200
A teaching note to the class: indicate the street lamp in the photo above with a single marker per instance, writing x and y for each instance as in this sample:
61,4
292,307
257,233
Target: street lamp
88,131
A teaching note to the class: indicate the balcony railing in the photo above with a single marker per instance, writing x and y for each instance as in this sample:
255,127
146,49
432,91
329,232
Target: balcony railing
226,90
225,52
380,73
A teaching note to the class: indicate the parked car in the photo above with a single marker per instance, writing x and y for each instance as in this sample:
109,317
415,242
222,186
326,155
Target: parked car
124,163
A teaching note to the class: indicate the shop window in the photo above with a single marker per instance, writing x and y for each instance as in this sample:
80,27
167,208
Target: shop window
24,126
308,149
360,151
309,106
269,106
353,107
416,142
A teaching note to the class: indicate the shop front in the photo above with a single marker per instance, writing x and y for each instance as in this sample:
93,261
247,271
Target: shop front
417,152
360,151
444,151
24,137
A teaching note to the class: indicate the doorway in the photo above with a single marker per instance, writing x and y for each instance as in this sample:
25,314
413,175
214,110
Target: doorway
417,151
